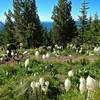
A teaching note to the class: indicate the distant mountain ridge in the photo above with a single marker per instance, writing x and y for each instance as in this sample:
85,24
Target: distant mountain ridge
47,25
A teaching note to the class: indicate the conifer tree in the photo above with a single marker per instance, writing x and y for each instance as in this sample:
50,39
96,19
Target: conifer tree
83,20
9,27
28,26
8,34
64,29
17,15
89,32
95,30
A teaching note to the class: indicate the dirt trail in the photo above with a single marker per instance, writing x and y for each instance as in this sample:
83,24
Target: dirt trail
62,59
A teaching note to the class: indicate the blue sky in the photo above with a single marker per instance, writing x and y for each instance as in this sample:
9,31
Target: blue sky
45,8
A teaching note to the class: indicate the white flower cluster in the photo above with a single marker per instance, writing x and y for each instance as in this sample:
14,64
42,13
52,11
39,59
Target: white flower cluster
56,52
70,73
45,56
58,47
67,82
37,53
41,84
89,84
26,63
97,50
49,47
82,86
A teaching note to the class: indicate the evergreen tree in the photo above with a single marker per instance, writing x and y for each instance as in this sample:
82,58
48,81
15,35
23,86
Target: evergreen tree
90,21
17,15
83,21
89,32
95,30
64,29
9,27
8,32
28,25
3,38
47,38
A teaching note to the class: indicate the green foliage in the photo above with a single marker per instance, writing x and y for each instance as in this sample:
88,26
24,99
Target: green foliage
83,21
28,27
15,80
8,33
64,28
89,29
23,25
95,31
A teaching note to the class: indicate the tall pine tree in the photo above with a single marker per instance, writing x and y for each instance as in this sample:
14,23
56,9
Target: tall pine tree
17,15
9,28
83,20
64,29
28,26
89,33
95,30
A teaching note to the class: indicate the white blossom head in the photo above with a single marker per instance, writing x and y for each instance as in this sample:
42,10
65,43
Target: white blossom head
82,86
43,57
47,83
26,63
12,53
67,84
90,83
47,55
37,84
33,84
82,80
70,73
41,81
36,53
7,51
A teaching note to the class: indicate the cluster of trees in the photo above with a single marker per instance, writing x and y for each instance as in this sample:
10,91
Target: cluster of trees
23,25
89,28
